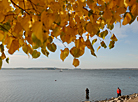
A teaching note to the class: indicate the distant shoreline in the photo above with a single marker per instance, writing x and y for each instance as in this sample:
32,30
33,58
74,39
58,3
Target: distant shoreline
33,69
66,69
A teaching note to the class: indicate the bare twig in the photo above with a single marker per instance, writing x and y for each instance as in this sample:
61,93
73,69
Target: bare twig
60,41
19,7
6,16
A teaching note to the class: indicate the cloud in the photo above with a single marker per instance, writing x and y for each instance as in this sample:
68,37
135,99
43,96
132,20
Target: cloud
134,27
119,31
133,55
123,31
127,42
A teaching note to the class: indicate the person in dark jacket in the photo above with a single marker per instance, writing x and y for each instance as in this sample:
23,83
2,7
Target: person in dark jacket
87,93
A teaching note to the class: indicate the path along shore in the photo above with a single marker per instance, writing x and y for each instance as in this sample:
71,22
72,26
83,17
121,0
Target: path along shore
124,98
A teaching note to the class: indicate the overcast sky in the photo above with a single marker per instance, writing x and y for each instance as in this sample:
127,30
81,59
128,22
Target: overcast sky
123,55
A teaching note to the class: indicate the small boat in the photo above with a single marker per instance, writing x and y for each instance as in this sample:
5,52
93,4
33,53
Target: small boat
60,70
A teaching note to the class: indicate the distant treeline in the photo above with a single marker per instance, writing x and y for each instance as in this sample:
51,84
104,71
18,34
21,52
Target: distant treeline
66,69
33,69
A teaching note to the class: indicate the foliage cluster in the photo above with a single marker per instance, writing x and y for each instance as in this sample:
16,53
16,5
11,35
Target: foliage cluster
33,24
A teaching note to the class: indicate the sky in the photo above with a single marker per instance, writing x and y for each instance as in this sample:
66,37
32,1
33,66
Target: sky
123,55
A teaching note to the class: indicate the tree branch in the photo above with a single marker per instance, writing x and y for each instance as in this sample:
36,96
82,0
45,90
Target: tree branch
7,30
92,12
8,15
19,7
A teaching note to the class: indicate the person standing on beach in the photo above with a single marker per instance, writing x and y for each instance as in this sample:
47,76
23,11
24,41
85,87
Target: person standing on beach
118,92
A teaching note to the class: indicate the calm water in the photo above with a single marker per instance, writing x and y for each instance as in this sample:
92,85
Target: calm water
70,85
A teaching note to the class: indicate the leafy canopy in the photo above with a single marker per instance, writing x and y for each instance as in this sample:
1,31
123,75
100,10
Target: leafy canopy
33,24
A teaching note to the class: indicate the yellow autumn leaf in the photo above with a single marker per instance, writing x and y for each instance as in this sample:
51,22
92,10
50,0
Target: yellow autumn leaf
100,2
45,52
17,29
36,42
57,19
29,39
92,29
80,43
21,42
129,2
106,1
127,19
6,5
93,53
75,52
5,27
21,4
49,40
110,26
103,34
37,30
117,16
1,36
69,35
89,27
52,47
25,23
134,9
107,15
77,19
94,41
98,48
1,48
3,56
30,49
63,36
113,38
113,3
47,19
14,46
46,35
64,54
56,32
35,54
1,17
111,45
7,60
8,41
25,48
76,62
89,45
103,44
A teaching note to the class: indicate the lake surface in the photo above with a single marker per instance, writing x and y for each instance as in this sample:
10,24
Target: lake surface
66,86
